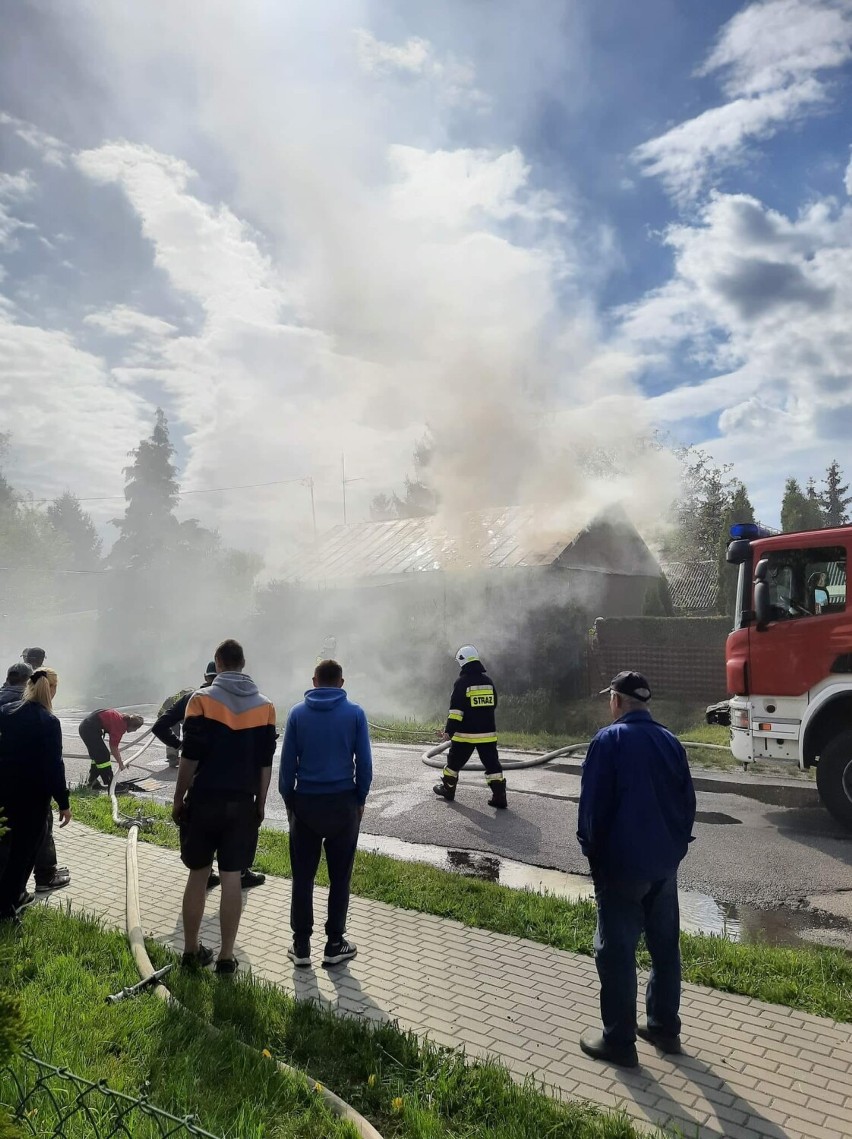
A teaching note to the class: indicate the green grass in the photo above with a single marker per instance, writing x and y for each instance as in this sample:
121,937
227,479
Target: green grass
405,1086
63,967
816,980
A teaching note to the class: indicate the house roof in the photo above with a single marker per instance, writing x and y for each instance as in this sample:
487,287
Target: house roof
512,537
692,585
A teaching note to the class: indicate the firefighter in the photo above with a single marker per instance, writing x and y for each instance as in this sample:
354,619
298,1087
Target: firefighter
105,722
471,724
168,725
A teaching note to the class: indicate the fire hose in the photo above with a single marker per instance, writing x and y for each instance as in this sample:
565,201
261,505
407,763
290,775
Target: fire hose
430,758
151,977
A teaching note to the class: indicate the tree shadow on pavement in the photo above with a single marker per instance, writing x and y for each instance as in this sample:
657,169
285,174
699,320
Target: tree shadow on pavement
730,1112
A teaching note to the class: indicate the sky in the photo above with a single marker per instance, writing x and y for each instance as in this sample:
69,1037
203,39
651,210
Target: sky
311,230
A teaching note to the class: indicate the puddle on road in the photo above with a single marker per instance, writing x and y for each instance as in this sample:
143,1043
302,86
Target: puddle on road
699,913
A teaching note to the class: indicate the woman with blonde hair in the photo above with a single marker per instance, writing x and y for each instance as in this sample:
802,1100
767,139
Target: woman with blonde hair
31,774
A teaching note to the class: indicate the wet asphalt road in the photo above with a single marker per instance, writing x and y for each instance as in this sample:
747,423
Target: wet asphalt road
745,852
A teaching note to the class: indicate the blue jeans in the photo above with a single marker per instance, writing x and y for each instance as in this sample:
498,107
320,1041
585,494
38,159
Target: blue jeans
626,909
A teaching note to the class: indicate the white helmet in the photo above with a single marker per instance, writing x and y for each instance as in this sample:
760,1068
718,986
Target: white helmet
466,654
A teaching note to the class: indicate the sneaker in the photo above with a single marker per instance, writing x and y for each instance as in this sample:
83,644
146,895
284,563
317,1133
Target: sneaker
198,959
595,1046
300,952
213,880
251,878
61,877
26,899
338,951
226,967
670,1044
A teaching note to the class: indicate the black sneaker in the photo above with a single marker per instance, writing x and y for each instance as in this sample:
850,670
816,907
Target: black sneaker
213,880
338,951
300,952
251,878
197,960
226,967
666,1042
61,877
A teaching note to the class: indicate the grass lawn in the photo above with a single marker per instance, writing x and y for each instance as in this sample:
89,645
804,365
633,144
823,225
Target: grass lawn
816,980
62,968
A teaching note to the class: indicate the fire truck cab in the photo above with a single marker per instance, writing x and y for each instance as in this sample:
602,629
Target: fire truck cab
789,657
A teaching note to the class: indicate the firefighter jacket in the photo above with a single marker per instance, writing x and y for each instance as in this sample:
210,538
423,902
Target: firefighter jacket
473,705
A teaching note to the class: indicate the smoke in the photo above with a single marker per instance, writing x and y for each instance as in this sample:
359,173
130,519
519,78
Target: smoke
346,243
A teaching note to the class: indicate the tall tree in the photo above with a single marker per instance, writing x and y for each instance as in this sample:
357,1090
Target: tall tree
419,500
75,527
698,522
835,498
800,510
151,489
738,509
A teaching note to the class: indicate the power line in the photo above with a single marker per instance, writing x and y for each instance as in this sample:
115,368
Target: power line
182,493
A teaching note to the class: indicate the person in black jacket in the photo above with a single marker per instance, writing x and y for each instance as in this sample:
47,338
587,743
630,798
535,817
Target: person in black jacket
169,723
471,724
31,774
171,717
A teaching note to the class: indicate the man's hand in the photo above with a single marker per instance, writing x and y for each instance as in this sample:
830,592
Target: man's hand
121,764
65,817
443,736
178,807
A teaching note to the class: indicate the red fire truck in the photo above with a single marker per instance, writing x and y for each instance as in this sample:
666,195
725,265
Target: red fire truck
789,658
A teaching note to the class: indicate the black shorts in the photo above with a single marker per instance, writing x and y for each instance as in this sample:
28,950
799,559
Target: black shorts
222,828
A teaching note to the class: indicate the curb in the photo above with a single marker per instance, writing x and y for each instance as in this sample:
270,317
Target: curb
145,967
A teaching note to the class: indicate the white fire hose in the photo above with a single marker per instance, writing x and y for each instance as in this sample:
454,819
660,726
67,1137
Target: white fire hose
430,758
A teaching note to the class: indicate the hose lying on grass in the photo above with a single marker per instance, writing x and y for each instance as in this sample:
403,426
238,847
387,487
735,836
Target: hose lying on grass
145,967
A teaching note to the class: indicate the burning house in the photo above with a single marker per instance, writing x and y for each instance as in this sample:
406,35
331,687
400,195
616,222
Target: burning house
525,592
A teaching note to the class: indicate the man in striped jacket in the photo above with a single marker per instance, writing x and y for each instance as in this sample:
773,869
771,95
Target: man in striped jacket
471,724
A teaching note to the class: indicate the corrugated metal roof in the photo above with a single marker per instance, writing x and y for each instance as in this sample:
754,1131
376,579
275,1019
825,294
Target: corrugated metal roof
692,585
509,537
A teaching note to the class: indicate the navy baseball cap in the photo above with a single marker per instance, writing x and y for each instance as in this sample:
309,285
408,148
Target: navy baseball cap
629,684
211,668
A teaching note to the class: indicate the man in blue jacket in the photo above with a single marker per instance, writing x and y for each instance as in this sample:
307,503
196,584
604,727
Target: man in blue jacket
326,771
637,808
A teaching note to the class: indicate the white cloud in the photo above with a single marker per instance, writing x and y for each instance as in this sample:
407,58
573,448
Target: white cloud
771,44
50,149
847,181
759,301
686,155
454,80
13,188
70,426
768,57
121,320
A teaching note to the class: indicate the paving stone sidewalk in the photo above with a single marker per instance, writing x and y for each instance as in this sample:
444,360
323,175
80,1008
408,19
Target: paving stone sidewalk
753,1071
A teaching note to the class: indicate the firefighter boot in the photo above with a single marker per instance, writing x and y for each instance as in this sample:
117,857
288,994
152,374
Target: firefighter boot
498,793
447,787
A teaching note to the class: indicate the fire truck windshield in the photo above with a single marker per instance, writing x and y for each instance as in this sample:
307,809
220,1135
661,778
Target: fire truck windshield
806,582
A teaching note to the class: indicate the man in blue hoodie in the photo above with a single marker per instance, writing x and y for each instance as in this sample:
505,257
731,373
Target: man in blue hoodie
326,772
637,808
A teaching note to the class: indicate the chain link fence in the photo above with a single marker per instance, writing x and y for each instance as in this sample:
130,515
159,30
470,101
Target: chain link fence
45,1100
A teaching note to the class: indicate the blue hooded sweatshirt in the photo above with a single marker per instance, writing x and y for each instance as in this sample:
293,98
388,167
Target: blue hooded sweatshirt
326,747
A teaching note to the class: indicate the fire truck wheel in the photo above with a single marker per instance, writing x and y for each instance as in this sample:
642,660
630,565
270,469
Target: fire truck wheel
834,778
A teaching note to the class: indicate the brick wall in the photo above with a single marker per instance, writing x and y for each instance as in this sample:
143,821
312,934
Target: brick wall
682,657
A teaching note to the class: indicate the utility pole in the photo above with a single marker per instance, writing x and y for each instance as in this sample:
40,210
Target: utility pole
309,483
344,481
